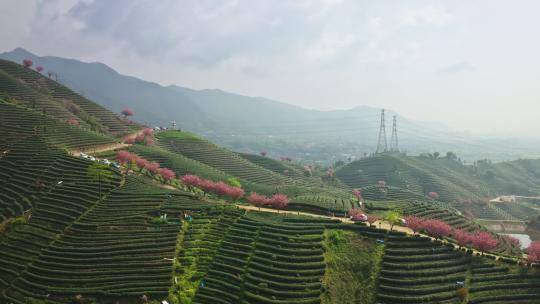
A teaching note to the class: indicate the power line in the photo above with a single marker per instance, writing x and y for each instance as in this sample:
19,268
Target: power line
382,145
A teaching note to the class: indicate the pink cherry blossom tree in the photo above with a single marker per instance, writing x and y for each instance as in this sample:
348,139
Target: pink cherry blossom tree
437,229
256,200
220,188
39,69
235,192
533,252
167,174
415,223
356,214
433,195
307,170
141,162
123,156
191,180
330,172
462,237
73,121
152,167
357,193
484,241
279,201
371,219
127,112
148,132
27,62
207,185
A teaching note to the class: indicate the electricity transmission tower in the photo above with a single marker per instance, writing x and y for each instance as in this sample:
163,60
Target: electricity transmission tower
394,140
382,144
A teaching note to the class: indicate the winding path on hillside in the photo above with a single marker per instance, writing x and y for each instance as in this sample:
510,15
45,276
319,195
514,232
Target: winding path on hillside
99,149
380,223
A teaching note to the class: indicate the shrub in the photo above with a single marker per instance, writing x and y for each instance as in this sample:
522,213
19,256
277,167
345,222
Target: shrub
462,293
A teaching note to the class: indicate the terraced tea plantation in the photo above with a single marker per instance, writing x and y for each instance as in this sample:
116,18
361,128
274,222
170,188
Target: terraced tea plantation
38,92
83,230
18,123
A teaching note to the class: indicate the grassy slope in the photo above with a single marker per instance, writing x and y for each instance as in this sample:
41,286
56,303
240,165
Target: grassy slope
352,266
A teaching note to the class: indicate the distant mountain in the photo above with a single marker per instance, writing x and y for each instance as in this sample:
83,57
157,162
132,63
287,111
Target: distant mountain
250,124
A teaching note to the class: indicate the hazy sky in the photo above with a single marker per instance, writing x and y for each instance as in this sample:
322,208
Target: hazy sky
472,64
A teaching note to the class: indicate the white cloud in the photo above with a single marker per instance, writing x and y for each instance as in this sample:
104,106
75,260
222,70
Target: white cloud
428,15
327,47
306,52
374,24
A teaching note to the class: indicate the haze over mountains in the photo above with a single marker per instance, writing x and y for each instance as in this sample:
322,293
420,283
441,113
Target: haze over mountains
254,123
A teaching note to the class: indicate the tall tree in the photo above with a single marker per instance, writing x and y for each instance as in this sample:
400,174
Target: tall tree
392,217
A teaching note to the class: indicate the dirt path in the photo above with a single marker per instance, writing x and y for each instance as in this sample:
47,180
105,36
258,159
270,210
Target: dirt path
380,224
98,149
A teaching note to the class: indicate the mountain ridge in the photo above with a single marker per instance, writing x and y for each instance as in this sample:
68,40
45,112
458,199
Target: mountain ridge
251,124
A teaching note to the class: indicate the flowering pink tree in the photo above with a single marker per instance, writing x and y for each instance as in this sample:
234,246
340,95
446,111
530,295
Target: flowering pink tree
307,170
256,200
152,167
220,188
39,68
235,193
148,132
371,219
484,241
437,228
415,223
356,214
73,121
330,172
279,201
433,195
167,174
191,180
139,138
462,237
357,193
533,252
141,162
127,112
27,62
207,185
123,156
263,153
129,139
